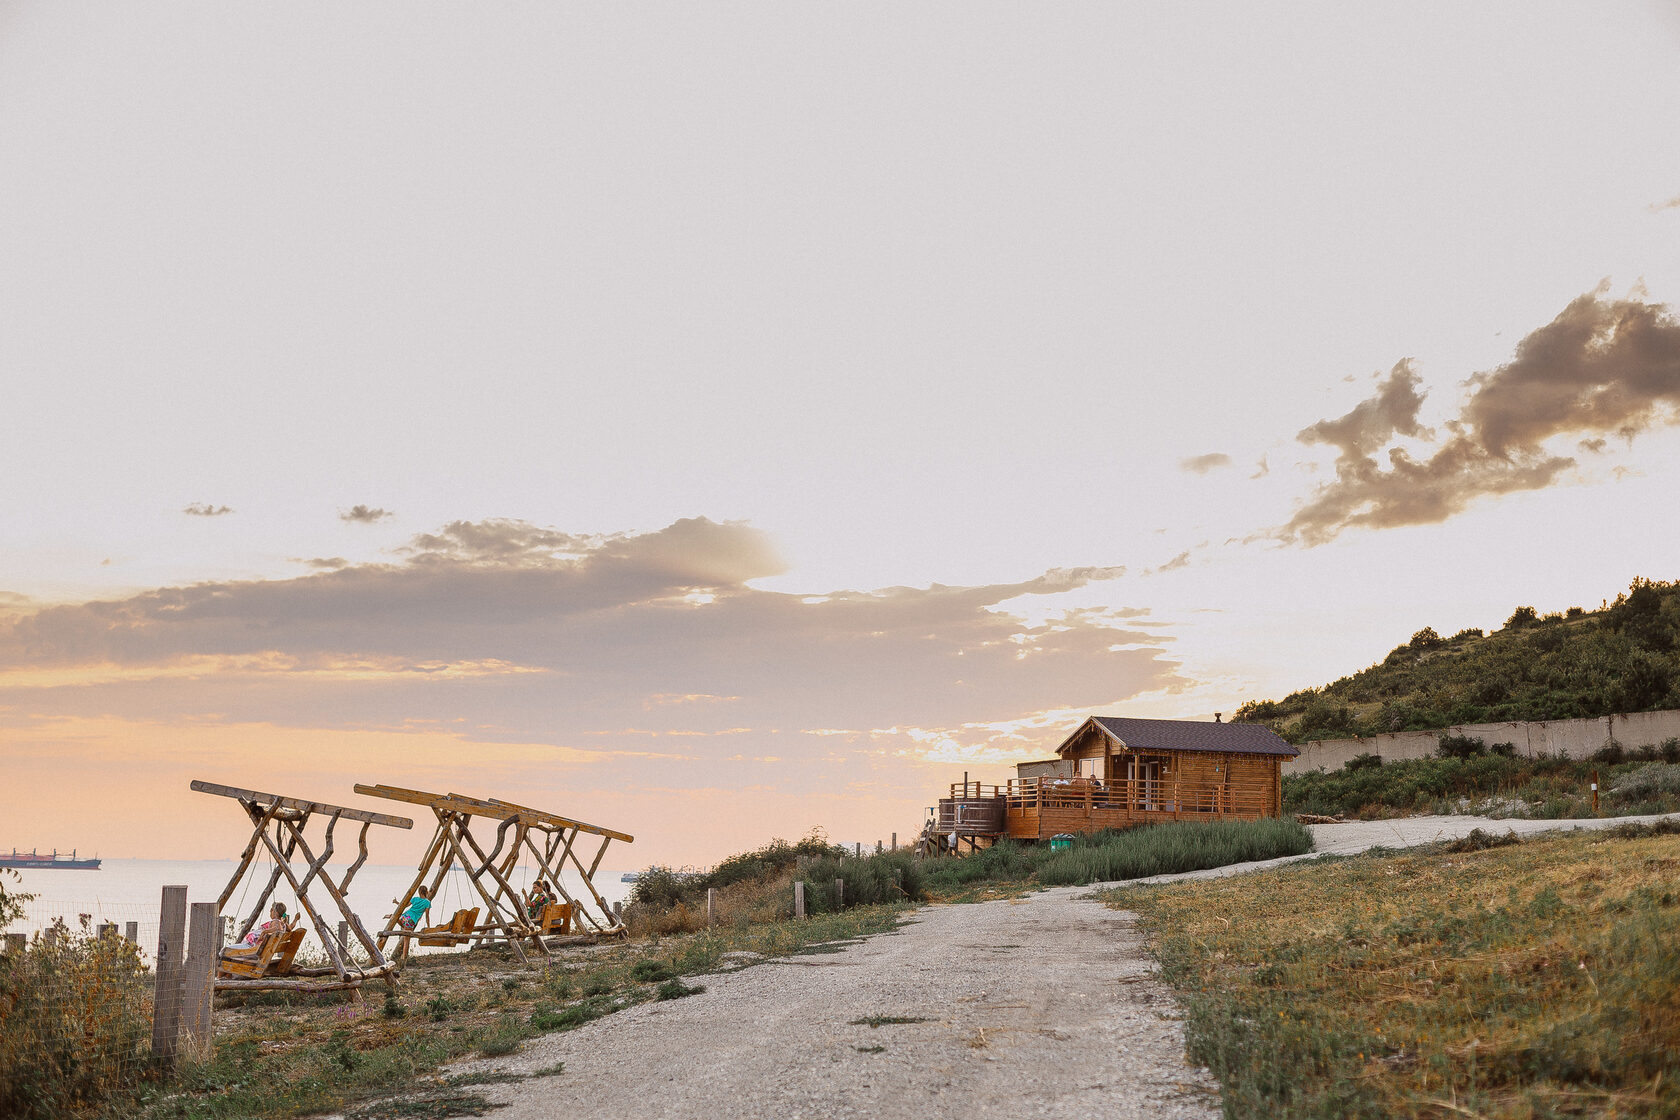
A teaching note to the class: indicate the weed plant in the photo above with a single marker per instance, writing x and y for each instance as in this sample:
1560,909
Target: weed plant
1531,980
75,1023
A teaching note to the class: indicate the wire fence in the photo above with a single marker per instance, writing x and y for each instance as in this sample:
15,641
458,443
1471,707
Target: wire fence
77,1005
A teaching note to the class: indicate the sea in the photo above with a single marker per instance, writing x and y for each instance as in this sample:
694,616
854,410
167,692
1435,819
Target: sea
131,890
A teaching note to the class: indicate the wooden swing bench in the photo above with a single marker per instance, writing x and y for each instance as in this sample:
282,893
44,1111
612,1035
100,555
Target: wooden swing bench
457,930
556,917
272,956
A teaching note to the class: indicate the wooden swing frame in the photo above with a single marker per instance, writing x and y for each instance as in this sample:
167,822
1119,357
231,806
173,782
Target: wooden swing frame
287,818
549,839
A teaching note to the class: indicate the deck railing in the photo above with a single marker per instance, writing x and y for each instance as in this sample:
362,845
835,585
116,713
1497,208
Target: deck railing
1133,795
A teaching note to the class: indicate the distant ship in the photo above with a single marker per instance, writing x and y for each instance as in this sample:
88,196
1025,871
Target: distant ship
35,860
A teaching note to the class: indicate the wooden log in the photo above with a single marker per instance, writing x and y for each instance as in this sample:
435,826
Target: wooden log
618,914
839,894
166,999
798,899
711,907
279,984
299,805
344,938
197,984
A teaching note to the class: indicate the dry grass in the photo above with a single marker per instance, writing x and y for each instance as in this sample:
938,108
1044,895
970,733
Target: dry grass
1532,980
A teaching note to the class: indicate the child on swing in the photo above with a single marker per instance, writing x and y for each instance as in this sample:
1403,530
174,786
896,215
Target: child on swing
277,922
416,909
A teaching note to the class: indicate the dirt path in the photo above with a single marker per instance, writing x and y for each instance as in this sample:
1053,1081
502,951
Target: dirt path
1039,1007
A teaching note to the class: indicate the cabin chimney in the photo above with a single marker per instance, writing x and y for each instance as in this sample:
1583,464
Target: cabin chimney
1218,717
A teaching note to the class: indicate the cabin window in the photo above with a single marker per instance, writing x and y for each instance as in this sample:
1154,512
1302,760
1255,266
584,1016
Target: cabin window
1088,768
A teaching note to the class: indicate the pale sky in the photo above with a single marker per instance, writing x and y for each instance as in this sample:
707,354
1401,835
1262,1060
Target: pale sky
715,421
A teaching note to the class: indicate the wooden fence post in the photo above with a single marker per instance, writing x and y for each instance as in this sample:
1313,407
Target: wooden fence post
711,907
198,982
132,932
895,842
859,853
839,894
877,847
618,913
798,899
1595,792
166,997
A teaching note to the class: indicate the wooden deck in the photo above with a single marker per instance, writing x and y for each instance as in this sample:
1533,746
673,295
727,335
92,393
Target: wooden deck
1039,808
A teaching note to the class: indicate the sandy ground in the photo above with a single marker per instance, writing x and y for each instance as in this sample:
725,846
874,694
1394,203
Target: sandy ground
1045,1006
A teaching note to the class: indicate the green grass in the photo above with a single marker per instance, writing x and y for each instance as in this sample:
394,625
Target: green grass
1135,853
1539,979
1491,784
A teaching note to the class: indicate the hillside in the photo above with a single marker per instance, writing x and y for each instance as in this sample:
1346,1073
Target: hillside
1575,663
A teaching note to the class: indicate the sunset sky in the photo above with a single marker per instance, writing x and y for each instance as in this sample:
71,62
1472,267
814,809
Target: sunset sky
715,421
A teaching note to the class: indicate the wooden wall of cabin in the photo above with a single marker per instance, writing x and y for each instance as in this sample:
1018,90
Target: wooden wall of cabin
1251,784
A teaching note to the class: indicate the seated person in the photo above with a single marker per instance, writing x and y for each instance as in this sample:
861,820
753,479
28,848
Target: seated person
277,923
416,909
540,897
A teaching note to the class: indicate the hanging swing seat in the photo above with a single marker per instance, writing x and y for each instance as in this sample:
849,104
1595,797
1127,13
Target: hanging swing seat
272,956
556,917
456,930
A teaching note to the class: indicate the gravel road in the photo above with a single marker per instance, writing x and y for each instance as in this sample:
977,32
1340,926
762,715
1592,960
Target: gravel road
1045,1006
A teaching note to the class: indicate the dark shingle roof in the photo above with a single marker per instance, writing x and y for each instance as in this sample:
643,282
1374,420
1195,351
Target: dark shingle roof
1192,735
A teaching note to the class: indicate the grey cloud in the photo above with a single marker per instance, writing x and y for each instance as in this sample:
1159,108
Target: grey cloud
1602,366
203,509
602,623
1182,560
1592,446
1202,464
365,515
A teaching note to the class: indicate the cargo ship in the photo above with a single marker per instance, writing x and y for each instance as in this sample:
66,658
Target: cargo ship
33,860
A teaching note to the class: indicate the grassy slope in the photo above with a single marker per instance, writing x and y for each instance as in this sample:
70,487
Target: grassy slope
1540,979
1622,659
1545,788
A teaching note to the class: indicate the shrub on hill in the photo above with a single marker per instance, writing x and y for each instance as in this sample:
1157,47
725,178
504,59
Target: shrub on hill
1625,658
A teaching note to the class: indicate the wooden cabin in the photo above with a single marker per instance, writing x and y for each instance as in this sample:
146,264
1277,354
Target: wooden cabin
1116,772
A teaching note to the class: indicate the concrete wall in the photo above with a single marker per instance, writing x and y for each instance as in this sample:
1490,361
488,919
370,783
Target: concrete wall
1572,738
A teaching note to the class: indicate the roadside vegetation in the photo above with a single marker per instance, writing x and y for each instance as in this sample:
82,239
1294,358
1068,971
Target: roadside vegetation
1468,777
1570,664
1488,978
283,1054
1107,856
